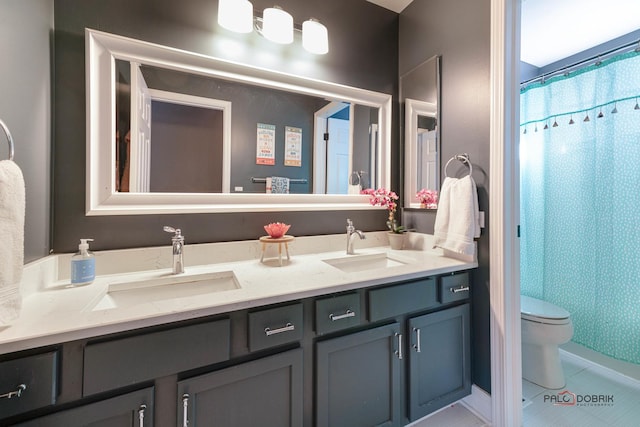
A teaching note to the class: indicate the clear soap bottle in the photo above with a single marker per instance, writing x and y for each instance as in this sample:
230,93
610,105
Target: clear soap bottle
83,265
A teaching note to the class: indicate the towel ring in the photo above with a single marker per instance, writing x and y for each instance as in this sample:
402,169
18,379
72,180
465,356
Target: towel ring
9,139
464,158
357,180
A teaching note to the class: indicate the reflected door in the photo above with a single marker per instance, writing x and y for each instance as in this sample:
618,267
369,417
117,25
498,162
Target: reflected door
427,159
140,167
338,156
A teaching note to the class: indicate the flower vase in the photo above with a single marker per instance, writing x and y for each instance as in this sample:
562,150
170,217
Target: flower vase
396,240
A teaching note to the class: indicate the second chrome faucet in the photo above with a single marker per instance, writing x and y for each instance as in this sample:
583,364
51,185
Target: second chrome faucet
178,244
351,235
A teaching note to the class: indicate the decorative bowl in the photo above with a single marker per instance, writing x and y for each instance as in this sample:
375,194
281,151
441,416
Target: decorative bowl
276,229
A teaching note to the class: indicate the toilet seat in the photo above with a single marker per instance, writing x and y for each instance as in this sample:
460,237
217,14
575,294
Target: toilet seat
539,311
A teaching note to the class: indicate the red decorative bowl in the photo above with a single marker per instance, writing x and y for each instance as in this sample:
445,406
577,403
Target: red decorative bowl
276,229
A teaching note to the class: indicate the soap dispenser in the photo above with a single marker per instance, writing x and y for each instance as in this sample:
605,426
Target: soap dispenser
83,265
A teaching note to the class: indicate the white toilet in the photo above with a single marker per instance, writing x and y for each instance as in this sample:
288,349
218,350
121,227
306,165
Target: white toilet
544,327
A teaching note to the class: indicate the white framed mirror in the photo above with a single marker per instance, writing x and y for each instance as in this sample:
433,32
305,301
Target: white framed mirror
420,92
103,195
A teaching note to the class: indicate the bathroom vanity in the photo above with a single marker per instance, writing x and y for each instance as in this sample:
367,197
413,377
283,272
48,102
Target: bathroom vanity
381,337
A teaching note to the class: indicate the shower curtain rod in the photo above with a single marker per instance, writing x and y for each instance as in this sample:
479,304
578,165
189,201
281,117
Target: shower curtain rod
599,57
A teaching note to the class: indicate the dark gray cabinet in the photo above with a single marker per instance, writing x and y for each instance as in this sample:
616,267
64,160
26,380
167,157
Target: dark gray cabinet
439,365
378,356
275,326
126,361
133,409
28,383
265,392
358,378
420,362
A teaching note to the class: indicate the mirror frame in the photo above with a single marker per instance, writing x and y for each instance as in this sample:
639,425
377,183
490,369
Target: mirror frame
412,109
101,50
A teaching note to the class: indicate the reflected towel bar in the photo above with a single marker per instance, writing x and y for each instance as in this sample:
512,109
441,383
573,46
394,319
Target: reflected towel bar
291,180
9,138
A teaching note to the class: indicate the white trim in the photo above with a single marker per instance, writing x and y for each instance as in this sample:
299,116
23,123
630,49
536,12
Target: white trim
479,402
506,370
101,50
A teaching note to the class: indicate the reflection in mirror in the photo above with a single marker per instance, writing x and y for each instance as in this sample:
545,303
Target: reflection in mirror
421,149
186,129
345,148
420,89
191,145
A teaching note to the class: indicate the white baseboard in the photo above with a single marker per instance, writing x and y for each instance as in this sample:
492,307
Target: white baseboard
479,402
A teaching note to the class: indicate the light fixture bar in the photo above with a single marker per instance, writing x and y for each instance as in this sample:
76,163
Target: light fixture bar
275,25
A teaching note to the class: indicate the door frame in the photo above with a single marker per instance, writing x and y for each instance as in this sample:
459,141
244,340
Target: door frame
504,257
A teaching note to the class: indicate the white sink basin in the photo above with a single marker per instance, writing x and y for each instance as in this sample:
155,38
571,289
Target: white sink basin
165,287
355,263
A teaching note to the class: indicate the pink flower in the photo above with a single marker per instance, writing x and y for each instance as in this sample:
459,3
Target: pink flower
386,198
382,197
428,197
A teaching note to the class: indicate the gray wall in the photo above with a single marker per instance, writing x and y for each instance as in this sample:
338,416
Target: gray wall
25,107
186,155
357,47
460,32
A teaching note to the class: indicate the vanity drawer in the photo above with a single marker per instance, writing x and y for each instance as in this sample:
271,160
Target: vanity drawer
454,287
31,381
403,298
337,313
275,326
121,362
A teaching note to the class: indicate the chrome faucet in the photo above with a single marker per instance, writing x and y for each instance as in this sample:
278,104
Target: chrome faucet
178,243
351,233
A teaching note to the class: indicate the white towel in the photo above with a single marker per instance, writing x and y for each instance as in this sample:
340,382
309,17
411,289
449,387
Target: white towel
354,189
11,240
277,184
457,218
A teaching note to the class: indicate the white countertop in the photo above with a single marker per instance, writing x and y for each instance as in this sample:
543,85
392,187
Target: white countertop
53,312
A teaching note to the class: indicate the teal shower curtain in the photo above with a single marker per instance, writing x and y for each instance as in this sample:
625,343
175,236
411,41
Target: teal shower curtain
580,201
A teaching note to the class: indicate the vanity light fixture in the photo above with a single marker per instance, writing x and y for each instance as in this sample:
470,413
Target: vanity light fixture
236,15
275,25
315,38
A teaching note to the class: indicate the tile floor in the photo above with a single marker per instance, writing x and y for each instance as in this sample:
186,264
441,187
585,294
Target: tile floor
584,379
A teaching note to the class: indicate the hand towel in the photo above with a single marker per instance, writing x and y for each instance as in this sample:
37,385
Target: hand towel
354,189
12,201
457,218
277,184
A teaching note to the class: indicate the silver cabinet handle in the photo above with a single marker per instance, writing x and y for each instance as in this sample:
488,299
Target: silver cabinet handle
399,351
417,344
185,410
460,289
15,393
347,314
141,414
285,328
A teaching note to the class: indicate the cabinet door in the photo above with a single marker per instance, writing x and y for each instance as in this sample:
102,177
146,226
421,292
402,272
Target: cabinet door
129,410
358,379
266,392
439,360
